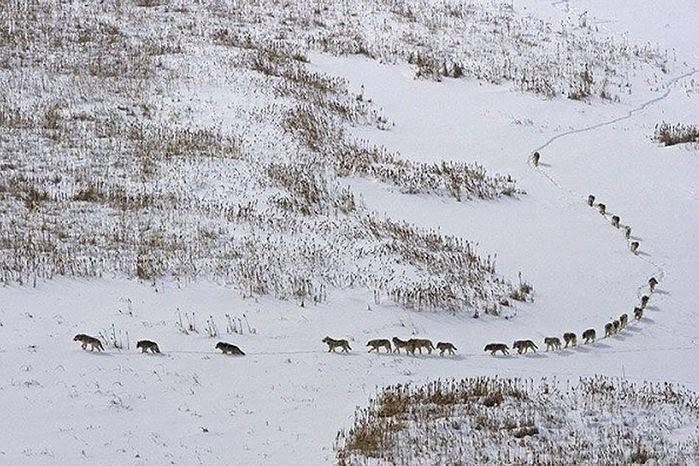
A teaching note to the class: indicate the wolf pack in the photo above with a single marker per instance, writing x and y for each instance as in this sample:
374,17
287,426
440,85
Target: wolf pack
417,345
148,345
552,343
571,339
615,222
413,345
410,346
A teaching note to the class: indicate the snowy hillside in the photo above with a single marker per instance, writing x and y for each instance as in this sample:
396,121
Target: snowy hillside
268,175
505,421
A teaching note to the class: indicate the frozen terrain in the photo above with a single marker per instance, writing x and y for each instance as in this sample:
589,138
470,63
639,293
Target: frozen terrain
286,400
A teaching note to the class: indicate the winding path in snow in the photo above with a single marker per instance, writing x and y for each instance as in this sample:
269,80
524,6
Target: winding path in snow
447,121
669,85
661,273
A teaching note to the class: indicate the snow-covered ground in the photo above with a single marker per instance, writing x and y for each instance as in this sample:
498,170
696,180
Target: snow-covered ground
284,402
670,24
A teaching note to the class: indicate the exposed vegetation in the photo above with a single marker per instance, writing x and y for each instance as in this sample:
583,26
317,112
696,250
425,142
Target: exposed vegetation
513,421
503,45
111,165
679,133
120,154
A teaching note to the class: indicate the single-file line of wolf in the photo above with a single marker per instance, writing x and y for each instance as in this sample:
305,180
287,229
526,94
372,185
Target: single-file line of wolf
413,345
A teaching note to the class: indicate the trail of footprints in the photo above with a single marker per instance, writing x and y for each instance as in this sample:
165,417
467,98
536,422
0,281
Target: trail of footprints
414,345
610,328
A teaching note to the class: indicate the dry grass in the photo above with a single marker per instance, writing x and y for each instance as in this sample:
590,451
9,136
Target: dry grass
513,421
109,166
679,133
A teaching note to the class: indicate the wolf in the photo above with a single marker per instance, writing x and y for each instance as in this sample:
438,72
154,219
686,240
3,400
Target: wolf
638,313
627,232
609,330
652,283
88,340
146,345
332,344
623,320
418,344
443,346
535,158
591,200
617,326
602,208
494,347
227,348
615,221
589,335
552,343
398,344
570,338
378,344
524,346
634,247
644,301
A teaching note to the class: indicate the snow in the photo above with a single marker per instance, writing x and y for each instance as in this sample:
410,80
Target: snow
561,244
284,402
670,24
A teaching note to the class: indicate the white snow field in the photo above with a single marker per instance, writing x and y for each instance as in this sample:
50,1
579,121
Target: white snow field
284,402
